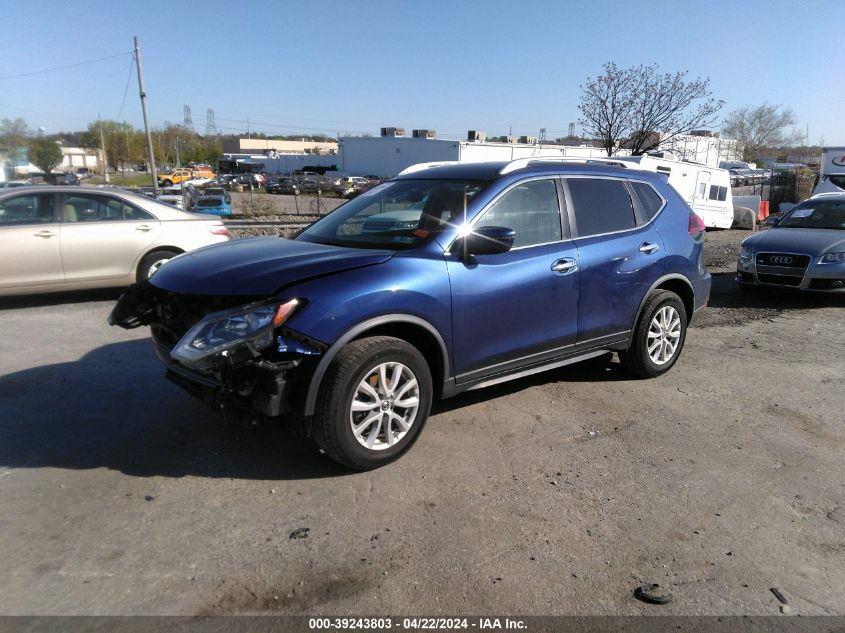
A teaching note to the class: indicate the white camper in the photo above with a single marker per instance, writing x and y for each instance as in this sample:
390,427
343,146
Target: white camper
832,171
707,190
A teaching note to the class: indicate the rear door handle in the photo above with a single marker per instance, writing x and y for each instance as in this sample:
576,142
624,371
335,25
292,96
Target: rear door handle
143,227
564,265
44,233
649,248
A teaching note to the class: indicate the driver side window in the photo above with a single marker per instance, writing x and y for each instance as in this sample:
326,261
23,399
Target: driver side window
531,209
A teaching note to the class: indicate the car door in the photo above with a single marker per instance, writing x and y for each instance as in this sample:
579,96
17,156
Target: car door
29,241
518,307
620,255
102,236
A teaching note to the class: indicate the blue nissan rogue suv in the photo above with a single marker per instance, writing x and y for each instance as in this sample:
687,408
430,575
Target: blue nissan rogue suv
446,278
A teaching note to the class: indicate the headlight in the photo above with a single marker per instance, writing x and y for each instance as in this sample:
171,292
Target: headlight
744,252
221,331
832,258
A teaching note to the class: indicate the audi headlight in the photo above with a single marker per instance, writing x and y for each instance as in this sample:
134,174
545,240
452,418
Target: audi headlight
252,325
744,252
832,258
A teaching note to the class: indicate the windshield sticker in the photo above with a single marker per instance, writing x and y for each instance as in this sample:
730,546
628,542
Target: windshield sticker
803,213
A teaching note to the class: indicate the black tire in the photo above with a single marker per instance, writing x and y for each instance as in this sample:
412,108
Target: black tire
152,259
332,427
166,183
637,359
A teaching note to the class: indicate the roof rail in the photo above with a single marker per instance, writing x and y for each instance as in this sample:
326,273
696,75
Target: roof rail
422,166
520,163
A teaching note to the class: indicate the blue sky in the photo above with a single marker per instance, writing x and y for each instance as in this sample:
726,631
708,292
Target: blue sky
350,67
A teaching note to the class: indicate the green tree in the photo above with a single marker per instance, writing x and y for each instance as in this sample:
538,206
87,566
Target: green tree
124,144
14,134
46,155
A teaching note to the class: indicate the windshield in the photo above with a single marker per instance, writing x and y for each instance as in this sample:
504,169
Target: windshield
816,214
398,215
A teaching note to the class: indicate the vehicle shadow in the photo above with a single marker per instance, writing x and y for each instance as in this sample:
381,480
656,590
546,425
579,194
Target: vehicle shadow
727,293
57,298
113,408
600,369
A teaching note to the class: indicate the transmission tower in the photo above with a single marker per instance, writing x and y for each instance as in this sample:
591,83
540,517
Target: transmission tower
571,129
541,137
210,124
188,121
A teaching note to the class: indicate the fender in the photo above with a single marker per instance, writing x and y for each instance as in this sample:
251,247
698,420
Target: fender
661,280
355,332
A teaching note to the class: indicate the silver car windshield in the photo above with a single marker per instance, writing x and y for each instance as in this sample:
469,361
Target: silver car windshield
816,214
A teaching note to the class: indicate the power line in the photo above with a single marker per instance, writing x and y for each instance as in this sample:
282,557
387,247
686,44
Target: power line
49,70
126,88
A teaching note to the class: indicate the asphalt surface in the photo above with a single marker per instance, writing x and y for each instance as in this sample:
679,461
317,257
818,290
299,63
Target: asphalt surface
558,494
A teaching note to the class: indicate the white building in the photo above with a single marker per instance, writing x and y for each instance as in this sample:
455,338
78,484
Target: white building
392,152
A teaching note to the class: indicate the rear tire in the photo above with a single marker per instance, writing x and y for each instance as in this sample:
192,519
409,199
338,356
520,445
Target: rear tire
166,183
373,402
151,263
658,337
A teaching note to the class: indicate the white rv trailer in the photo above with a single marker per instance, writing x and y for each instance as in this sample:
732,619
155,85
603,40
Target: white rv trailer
832,172
707,190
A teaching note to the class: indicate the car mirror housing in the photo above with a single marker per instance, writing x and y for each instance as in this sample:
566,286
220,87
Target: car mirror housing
772,220
487,240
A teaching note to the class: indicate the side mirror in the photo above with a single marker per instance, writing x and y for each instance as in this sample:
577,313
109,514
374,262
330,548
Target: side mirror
487,240
772,220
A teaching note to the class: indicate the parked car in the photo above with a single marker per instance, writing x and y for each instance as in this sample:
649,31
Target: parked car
283,186
70,238
10,184
309,186
484,277
214,201
245,180
804,248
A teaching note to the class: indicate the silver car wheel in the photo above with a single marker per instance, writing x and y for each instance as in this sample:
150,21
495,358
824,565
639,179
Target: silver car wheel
155,266
664,333
384,407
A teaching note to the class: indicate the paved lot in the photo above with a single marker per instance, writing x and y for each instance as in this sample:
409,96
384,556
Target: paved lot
557,494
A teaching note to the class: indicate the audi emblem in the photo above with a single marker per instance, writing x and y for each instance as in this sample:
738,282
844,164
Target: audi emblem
780,260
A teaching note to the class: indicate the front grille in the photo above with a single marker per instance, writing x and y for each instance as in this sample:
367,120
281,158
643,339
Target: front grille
780,280
787,260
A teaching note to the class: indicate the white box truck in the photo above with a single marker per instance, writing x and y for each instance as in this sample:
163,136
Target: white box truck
831,171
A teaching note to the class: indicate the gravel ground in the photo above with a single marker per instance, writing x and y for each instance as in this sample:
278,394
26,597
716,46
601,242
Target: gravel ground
556,494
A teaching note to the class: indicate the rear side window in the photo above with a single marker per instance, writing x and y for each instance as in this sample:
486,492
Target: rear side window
600,206
650,200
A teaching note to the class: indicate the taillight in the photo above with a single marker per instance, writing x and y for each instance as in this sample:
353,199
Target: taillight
696,224
219,230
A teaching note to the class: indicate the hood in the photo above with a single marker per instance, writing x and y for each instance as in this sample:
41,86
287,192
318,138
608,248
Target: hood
258,266
809,241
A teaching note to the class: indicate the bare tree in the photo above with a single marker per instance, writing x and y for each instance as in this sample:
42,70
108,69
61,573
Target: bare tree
761,127
639,107
606,105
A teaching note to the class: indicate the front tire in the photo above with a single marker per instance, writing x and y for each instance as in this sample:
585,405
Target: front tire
658,336
373,403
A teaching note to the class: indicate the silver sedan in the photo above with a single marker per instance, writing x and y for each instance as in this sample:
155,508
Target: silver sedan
804,249
71,238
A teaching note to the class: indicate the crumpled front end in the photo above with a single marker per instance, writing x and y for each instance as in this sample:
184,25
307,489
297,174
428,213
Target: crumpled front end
234,352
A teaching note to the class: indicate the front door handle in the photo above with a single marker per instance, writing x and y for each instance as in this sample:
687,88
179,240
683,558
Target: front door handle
649,248
564,265
143,227
44,233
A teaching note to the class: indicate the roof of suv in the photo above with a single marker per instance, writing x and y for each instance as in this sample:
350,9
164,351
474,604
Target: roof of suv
490,170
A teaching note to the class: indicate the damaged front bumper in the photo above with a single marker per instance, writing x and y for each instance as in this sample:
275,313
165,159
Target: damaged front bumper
234,353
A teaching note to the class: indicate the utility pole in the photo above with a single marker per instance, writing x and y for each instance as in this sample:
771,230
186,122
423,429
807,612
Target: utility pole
103,147
151,160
